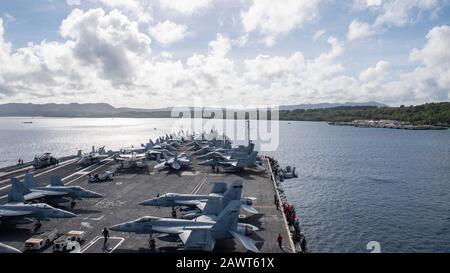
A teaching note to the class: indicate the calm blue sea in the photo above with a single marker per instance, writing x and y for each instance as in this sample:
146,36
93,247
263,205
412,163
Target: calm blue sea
354,186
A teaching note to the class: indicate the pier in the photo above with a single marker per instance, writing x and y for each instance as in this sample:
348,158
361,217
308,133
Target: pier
387,124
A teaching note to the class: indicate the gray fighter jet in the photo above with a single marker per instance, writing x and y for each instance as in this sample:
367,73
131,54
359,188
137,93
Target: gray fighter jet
241,149
179,200
196,234
131,160
16,212
234,164
93,157
8,249
174,163
212,209
56,191
198,202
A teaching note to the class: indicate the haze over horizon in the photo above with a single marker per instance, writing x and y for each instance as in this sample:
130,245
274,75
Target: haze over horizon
162,53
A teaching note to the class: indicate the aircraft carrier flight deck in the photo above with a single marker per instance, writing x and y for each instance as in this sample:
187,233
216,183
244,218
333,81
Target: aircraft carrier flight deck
128,188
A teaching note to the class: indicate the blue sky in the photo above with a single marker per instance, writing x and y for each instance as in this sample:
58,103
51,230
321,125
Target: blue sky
243,51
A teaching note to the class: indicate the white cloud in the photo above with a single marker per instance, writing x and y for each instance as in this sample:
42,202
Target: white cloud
95,59
241,41
364,4
318,34
430,81
168,32
275,18
296,78
375,74
436,52
73,2
140,10
105,56
359,30
220,46
389,13
109,41
183,6
166,54
8,18
403,12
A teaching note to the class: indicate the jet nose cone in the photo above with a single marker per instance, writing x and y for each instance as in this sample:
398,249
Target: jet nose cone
150,202
93,194
118,227
66,214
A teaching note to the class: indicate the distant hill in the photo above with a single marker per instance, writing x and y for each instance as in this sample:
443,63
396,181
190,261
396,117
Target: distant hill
430,114
330,105
107,110
73,110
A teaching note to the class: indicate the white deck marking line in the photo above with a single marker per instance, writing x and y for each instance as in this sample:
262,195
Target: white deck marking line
94,219
196,186
39,174
199,186
96,238
82,172
83,175
15,171
121,241
89,244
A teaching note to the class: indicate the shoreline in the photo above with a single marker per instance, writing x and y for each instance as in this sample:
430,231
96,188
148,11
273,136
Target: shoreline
387,124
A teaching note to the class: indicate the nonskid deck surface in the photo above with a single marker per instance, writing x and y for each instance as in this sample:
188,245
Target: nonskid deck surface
121,203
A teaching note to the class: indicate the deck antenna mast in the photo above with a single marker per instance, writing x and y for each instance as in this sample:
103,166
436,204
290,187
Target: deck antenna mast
248,130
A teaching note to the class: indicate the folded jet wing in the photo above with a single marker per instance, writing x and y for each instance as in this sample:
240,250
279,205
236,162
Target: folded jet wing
41,194
13,213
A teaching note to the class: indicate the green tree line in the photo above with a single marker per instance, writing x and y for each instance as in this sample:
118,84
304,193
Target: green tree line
437,114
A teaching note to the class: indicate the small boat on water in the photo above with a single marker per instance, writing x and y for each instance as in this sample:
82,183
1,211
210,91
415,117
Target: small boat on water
288,173
28,122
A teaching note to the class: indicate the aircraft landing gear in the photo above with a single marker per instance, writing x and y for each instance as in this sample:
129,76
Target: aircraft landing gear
174,213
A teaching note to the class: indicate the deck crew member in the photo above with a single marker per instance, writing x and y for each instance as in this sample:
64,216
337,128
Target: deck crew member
280,241
105,235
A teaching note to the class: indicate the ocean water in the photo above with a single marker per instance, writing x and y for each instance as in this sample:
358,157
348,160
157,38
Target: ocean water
354,186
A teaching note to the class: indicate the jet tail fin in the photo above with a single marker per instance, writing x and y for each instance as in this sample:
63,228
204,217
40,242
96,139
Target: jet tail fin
250,148
252,157
228,218
29,183
213,207
234,192
56,181
16,193
219,187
